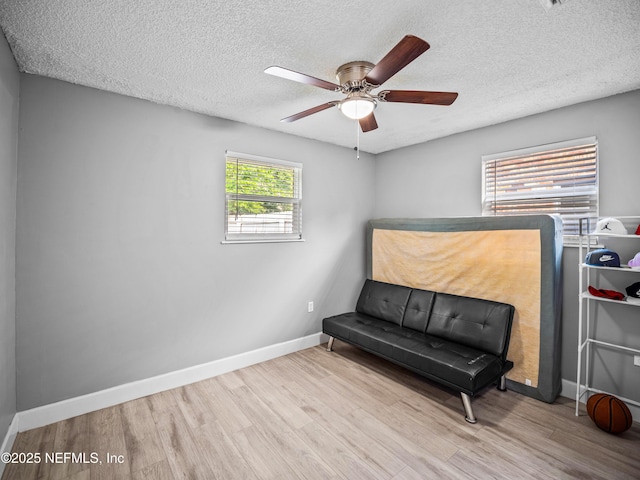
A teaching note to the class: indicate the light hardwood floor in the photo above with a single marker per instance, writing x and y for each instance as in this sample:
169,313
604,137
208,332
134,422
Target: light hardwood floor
320,415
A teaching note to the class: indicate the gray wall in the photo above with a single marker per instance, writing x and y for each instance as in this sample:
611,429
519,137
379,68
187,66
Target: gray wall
121,273
9,101
443,178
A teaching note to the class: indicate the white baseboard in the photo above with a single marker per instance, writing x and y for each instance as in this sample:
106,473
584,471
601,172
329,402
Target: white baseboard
7,444
9,438
55,412
569,391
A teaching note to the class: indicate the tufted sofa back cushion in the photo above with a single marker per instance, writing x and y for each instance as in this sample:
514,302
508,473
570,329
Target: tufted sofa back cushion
474,322
383,300
418,310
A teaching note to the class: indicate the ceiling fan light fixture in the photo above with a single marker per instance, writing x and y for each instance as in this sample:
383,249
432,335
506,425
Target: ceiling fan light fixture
356,107
357,79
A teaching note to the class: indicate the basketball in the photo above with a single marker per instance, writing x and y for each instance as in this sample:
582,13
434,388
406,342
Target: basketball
609,413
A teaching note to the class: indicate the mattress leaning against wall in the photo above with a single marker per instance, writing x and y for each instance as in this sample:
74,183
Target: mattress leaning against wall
514,260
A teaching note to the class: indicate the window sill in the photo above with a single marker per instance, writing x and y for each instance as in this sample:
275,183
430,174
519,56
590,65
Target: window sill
263,240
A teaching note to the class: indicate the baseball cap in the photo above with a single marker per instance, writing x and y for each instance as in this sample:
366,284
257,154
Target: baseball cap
610,225
611,294
633,293
635,261
602,257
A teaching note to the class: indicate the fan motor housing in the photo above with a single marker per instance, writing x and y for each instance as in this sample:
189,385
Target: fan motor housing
350,75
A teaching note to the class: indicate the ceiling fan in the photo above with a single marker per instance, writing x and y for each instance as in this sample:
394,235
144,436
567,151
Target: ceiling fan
358,79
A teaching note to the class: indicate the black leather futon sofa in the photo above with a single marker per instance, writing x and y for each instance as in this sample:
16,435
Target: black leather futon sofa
460,342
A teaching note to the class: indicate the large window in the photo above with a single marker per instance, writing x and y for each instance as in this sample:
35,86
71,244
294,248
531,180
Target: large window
559,178
263,199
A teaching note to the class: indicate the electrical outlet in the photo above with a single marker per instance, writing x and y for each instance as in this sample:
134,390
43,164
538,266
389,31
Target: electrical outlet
636,360
310,307
527,382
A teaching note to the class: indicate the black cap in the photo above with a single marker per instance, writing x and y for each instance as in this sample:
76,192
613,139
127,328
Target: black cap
634,290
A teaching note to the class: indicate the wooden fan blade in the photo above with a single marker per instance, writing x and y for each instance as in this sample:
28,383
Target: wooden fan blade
418,96
301,78
405,52
308,112
368,123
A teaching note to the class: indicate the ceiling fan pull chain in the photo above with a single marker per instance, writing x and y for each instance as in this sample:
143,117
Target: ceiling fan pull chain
357,140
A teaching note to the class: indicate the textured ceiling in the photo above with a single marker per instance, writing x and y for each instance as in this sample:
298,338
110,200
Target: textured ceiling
506,58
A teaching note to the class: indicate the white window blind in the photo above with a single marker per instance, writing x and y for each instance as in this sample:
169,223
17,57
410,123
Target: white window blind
263,198
559,178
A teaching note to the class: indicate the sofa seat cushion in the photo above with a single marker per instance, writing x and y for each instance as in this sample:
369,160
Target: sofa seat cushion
369,332
455,365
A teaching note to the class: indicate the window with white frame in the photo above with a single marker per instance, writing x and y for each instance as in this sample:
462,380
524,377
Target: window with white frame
263,199
559,178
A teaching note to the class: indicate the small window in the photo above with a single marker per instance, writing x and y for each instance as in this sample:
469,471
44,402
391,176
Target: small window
263,199
559,178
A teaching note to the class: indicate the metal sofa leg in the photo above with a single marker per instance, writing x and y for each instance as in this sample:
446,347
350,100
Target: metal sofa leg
330,344
468,411
502,384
